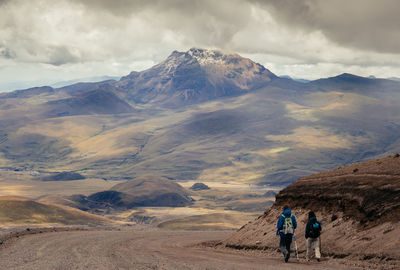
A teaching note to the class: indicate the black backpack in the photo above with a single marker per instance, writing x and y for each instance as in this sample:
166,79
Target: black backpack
314,229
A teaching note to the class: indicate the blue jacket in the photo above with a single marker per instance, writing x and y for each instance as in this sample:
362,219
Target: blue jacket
286,213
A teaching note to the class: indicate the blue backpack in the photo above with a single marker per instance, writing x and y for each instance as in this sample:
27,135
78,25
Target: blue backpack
314,229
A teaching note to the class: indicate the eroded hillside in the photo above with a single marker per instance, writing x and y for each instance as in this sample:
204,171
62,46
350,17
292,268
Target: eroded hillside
358,206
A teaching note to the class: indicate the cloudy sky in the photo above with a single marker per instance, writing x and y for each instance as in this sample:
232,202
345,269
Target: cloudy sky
46,41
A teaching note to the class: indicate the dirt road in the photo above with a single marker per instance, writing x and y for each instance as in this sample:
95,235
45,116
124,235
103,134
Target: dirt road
134,249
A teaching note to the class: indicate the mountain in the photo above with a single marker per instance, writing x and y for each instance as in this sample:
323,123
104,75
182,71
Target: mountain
382,89
194,76
358,206
202,116
184,78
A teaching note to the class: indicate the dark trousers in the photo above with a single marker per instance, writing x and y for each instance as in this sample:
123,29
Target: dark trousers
284,244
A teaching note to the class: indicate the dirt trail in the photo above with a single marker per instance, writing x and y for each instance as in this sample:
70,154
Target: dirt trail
134,249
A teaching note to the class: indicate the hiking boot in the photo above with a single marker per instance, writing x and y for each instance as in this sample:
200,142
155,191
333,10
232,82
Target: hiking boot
318,260
287,257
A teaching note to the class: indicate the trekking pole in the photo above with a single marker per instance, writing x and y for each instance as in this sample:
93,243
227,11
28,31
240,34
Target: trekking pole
295,245
320,244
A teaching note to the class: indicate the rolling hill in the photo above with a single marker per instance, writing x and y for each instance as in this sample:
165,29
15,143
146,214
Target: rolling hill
146,190
15,210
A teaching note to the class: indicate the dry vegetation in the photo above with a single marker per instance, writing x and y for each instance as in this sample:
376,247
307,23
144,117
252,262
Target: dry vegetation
17,211
227,220
254,138
18,184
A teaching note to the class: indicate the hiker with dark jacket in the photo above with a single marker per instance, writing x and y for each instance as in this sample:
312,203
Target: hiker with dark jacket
313,232
285,229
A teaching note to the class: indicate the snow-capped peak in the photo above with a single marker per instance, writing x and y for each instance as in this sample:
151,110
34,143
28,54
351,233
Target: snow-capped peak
204,56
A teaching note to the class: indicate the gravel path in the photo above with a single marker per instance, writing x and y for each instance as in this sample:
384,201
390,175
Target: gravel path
134,249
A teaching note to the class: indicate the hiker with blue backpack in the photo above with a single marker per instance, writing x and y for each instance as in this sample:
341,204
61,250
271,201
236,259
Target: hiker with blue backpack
285,229
313,232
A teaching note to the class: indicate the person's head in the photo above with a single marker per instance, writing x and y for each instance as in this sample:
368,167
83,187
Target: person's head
285,207
311,214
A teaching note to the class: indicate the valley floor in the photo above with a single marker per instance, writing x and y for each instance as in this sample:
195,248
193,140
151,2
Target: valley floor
137,248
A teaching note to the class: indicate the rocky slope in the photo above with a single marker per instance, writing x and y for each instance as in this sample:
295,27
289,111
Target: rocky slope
357,204
194,76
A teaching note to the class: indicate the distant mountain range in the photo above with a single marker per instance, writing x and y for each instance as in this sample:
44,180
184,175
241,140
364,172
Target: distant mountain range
295,79
200,115
87,79
7,86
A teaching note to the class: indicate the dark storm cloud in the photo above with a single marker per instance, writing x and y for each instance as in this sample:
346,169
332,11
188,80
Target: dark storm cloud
93,30
55,55
7,53
118,7
205,22
363,24
129,7
60,55
120,27
299,37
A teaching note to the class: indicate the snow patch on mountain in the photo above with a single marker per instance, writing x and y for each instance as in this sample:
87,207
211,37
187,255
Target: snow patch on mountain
207,57
172,62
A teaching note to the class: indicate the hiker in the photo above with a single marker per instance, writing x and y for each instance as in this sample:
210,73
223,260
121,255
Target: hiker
313,232
285,229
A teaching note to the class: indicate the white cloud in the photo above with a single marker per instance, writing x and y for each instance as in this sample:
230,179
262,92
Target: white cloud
71,38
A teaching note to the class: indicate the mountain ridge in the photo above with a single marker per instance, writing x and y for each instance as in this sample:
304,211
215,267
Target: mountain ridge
190,77
225,117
